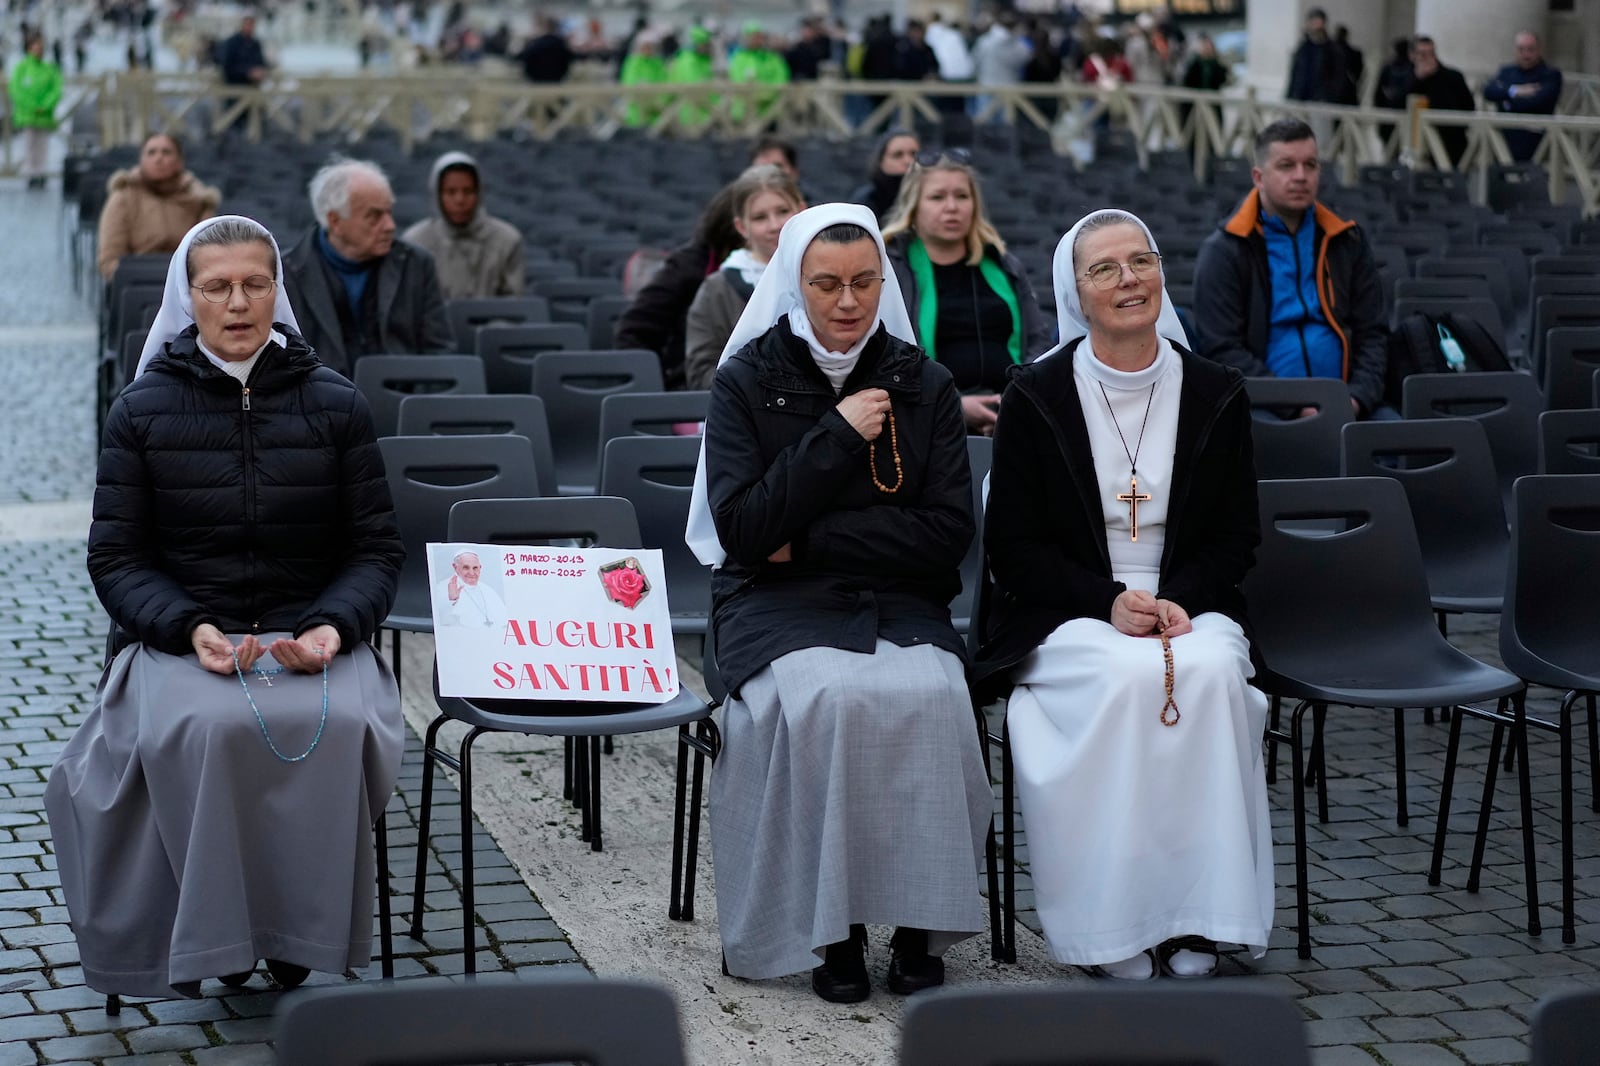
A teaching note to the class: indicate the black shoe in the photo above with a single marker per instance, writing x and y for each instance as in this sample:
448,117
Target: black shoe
842,977
287,974
911,968
237,980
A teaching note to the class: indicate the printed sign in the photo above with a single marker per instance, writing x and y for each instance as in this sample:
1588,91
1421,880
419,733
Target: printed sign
543,623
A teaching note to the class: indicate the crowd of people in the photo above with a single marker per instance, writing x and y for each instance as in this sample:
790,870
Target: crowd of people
849,350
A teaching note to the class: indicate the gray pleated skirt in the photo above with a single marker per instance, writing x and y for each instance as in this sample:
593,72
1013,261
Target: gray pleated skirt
850,788
188,850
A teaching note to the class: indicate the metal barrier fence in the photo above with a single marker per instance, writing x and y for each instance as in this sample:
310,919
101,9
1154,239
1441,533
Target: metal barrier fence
126,106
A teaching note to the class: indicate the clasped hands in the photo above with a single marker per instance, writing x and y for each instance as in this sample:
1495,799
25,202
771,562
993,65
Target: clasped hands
304,653
1139,614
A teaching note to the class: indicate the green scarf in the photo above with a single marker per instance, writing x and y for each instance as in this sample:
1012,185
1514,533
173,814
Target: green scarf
928,298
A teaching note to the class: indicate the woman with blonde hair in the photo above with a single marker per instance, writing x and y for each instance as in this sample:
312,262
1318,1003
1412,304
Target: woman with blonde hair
764,198
969,299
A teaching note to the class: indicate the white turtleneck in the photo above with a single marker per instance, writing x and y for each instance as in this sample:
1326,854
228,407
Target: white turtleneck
240,368
1135,563
835,366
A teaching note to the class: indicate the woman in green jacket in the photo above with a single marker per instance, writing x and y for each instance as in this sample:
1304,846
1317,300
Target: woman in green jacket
35,91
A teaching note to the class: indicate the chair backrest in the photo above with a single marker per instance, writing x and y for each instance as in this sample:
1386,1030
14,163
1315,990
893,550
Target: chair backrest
447,414
651,414
657,475
1069,1025
1492,271
1562,285
132,301
1448,474
1530,239
427,475
508,352
1561,1031
1287,445
1551,584
1587,266
569,297
132,348
1571,357
1482,309
607,521
1569,442
980,457
573,385
386,380
1365,584
468,315
434,1022
1506,404
1511,260
603,314
1558,312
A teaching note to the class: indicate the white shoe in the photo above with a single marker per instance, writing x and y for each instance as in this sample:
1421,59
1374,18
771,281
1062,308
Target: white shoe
1140,967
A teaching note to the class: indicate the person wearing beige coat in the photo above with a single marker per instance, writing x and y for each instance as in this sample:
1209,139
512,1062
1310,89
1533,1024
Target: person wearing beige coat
152,205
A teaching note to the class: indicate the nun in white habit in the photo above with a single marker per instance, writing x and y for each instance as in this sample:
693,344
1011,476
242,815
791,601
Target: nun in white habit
834,499
1121,520
215,807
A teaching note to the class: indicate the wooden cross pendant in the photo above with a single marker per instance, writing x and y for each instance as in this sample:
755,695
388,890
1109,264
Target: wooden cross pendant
1133,498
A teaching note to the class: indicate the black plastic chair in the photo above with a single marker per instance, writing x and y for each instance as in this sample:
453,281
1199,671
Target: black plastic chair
1454,287
508,352
1546,638
435,1022
1569,441
1561,1031
1571,357
594,520
656,474
602,318
1447,471
650,414
1559,312
1506,405
570,297
455,415
1585,266
1490,270
1481,309
1287,446
386,380
1370,639
1067,1025
573,385
980,457
427,475
467,316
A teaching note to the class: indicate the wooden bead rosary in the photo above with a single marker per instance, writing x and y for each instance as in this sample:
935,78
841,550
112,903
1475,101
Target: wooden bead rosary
894,447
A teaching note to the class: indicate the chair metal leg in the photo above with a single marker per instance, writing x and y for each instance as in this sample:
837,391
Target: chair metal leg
1009,845
1273,706
1594,759
1519,735
1319,715
568,785
580,785
394,655
1302,890
424,816
674,905
609,746
113,1004
1485,806
1446,786
1402,813
380,833
594,793
712,741
1569,933
469,910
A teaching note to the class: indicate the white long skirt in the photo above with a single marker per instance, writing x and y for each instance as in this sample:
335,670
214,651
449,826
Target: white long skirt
850,788
1140,832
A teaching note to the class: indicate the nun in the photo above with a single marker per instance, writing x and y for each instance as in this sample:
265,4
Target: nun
215,808
834,499
1121,520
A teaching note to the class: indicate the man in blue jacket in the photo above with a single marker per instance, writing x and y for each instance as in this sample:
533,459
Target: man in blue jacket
1286,288
1530,86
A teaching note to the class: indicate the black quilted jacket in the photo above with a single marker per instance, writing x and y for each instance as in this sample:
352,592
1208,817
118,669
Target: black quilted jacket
259,508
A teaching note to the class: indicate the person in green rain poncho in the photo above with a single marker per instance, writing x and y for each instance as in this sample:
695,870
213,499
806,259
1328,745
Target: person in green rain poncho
755,62
692,66
644,66
35,90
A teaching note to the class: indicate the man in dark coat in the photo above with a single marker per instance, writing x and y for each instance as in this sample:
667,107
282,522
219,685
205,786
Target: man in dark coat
1317,72
1530,86
1286,288
355,289
241,58
1445,90
547,57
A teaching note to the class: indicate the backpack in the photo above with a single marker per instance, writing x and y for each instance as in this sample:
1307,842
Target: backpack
1439,344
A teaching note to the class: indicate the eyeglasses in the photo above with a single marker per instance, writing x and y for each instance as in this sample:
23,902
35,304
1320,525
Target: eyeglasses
932,157
1107,274
829,285
256,287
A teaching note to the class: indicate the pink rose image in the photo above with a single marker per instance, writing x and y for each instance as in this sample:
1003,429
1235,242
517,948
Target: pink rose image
625,585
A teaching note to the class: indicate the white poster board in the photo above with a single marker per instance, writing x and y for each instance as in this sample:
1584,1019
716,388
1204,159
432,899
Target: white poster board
541,623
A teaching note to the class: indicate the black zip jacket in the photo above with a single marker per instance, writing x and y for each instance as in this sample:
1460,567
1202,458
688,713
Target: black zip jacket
257,508
784,467
1045,533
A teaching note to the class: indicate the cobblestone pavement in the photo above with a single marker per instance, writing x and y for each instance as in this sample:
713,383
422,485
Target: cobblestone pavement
1403,974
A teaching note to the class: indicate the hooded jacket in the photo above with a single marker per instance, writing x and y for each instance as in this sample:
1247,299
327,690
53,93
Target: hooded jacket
1233,298
150,218
481,258
35,89
257,507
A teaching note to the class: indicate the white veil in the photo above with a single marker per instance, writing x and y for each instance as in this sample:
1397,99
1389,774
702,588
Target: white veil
1069,309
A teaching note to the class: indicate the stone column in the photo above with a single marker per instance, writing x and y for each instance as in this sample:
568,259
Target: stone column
1475,36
